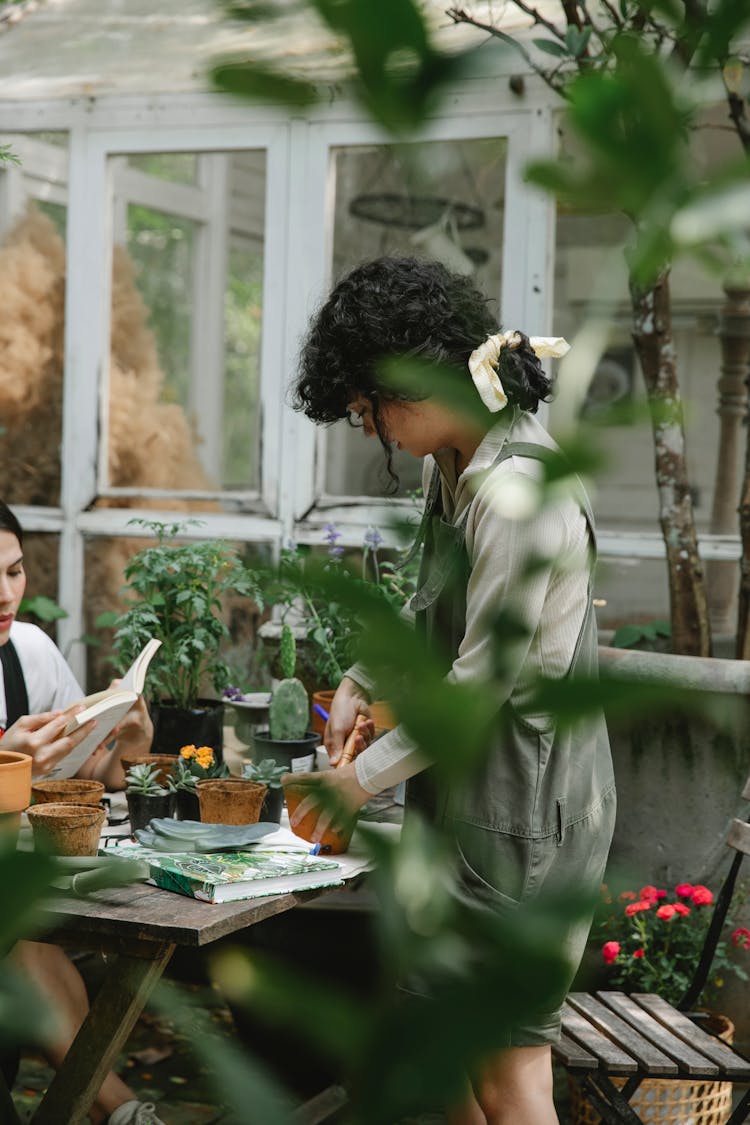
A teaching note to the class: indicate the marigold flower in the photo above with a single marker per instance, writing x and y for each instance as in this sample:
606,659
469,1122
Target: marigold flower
638,953
636,907
624,896
741,938
610,951
680,908
666,912
187,751
701,895
685,890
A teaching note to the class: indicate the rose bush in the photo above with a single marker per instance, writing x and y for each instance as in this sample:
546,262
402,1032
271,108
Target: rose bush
653,939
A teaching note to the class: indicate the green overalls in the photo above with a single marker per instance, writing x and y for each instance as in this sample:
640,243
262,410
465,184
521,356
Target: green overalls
539,813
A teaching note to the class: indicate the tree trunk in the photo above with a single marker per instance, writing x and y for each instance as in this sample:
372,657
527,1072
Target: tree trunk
652,335
743,610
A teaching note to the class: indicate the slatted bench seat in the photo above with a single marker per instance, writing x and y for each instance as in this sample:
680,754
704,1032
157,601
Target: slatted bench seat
609,1035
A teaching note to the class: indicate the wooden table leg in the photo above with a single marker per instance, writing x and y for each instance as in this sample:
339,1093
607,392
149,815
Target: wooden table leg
126,987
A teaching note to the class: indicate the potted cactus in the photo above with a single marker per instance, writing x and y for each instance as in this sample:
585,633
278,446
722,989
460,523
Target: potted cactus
146,797
288,739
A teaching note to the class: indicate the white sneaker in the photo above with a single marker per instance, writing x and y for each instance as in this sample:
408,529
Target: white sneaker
135,1113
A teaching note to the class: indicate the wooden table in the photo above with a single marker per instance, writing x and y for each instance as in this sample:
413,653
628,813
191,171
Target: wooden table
138,927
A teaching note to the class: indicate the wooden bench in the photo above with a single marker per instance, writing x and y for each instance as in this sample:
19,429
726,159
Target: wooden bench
609,1035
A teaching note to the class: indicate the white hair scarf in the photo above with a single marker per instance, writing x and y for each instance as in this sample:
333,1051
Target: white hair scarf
483,363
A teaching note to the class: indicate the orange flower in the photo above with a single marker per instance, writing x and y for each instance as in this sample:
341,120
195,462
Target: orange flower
625,895
187,751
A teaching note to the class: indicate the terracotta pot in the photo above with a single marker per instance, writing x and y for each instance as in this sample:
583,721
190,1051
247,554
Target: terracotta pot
382,716
66,829
230,800
68,791
166,763
324,699
15,785
333,841
381,713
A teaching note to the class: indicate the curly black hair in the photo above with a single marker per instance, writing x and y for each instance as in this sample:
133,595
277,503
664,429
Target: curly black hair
394,306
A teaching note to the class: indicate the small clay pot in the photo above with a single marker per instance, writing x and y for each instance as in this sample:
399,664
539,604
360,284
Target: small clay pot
15,785
333,841
324,699
166,763
382,716
230,800
66,829
67,791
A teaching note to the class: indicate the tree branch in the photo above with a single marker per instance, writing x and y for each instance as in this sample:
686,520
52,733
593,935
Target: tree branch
458,15
739,118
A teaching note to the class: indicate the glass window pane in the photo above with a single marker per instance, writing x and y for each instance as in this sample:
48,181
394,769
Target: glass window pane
33,209
178,167
186,325
439,200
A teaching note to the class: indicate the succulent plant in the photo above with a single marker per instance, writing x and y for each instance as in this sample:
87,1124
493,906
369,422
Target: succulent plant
267,772
144,778
289,712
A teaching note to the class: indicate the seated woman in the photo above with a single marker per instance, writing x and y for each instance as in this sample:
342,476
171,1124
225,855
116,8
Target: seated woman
37,690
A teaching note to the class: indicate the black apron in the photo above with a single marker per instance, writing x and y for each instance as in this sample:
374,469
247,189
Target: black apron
16,696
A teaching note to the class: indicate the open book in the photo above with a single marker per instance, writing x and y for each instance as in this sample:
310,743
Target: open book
108,708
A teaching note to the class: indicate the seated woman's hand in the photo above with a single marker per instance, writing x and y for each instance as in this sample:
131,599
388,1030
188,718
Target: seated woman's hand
43,737
135,731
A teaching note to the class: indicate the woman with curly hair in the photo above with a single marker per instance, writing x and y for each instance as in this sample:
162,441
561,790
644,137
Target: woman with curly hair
538,812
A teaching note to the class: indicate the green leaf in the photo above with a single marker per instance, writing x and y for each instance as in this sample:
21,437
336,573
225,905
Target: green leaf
107,620
247,79
42,607
552,47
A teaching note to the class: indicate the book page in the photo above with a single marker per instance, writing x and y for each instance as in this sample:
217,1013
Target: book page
116,705
135,677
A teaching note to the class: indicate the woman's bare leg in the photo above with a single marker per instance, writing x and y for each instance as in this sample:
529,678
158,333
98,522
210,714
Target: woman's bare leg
514,1087
59,981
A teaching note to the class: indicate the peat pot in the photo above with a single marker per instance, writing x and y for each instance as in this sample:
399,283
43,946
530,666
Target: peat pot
175,727
230,800
66,829
67,791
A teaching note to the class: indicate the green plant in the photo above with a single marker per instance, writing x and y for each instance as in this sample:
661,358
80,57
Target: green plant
144,779
646,635
194,764
175,593
266,772
654,939
289,712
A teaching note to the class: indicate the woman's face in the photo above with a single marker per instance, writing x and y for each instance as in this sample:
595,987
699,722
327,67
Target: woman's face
418,427
12,581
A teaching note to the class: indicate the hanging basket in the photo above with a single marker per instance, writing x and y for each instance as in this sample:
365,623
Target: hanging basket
660,1101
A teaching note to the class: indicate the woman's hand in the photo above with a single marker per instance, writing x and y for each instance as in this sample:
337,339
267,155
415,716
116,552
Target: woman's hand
334,794
348,702
42,737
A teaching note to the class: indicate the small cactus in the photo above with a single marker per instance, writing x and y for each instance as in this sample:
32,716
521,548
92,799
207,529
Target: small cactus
289,713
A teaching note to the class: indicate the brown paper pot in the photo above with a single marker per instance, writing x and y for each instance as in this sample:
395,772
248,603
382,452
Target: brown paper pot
166,762
333,841
68,791
66,829
230,800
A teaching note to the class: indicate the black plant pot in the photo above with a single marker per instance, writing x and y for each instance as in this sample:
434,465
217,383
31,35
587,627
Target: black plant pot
175,727
187,806
144,807
298,755
273,803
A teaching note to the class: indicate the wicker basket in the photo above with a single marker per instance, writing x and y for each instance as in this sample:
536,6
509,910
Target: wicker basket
663,1102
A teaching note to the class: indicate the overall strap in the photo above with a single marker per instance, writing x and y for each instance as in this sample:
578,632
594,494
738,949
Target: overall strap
16,696
429,507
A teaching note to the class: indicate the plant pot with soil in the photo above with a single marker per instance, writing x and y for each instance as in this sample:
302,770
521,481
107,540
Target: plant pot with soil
193,764
67,791
146,797
66,829
287,739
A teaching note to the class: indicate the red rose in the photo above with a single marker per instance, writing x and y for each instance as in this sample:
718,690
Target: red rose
684,889
680,908
741,938
610,950
624,896
636,907
701,895
661,894
638,953
648,894
665,912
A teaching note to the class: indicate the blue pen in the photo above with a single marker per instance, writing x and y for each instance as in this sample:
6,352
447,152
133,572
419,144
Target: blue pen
321,711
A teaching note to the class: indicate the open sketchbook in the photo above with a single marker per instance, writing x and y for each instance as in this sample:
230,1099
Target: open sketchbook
108,708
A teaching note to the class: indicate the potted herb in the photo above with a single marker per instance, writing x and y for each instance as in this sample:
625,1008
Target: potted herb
145,796
175,591
268,773
287,738
193,764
